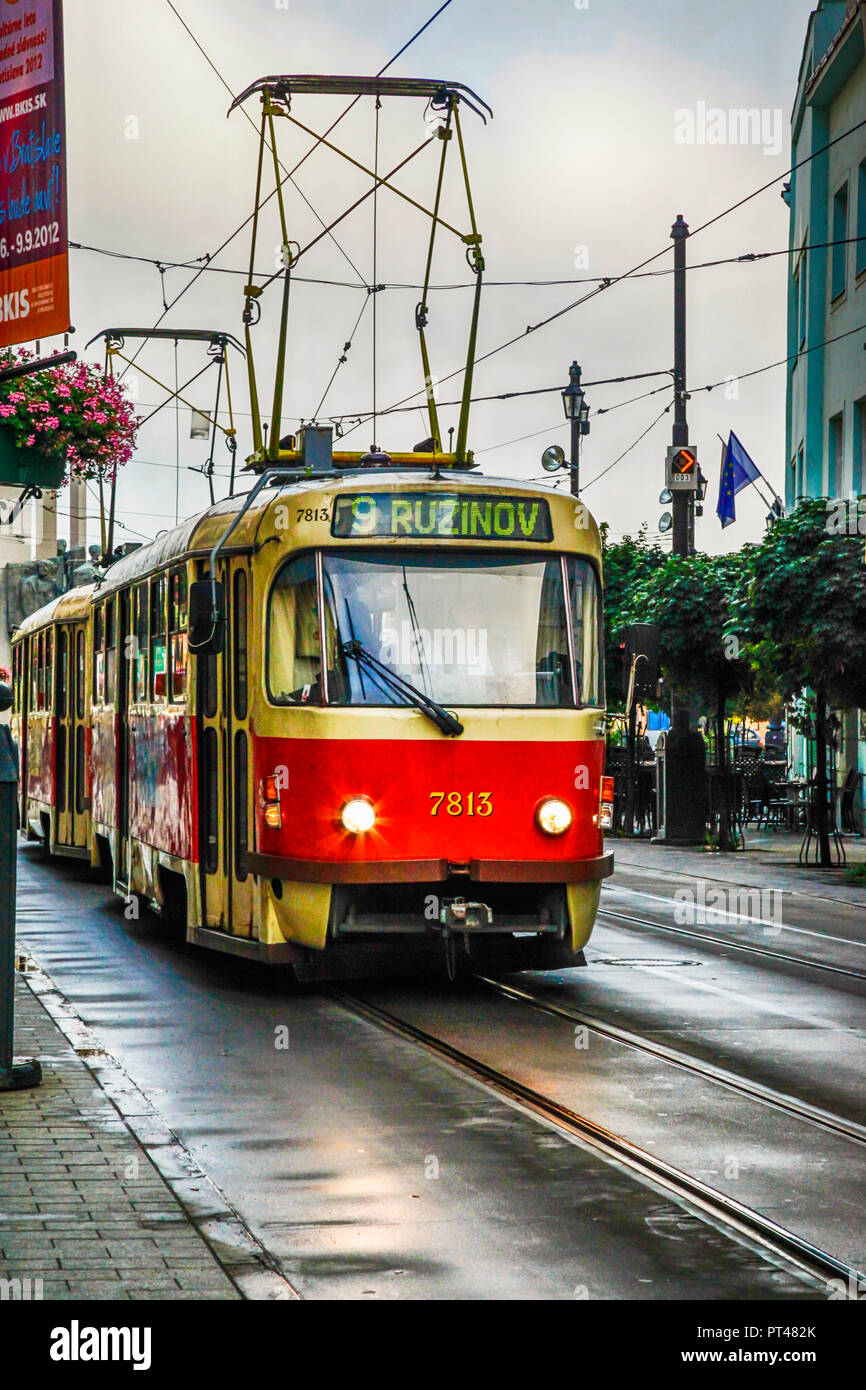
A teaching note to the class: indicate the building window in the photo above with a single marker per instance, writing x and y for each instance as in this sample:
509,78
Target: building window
861,219
802,303
858,478
834,456
840,249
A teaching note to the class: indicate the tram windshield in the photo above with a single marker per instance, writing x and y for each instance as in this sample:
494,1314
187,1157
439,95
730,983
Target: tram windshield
466,629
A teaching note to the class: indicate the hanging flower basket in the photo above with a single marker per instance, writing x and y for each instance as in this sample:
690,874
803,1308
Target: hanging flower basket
70,422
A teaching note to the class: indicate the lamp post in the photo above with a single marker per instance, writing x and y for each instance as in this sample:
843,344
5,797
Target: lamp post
577,413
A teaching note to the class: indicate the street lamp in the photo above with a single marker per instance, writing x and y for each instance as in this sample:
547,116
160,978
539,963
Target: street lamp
577,413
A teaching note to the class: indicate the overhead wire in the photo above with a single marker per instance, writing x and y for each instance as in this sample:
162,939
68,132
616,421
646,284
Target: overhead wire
745,258
626,452
211,256
649,260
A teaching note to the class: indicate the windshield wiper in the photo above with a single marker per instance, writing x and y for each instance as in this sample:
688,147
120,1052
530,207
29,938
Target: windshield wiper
367,661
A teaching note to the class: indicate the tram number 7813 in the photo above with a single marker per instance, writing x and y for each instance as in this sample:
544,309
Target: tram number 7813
474,803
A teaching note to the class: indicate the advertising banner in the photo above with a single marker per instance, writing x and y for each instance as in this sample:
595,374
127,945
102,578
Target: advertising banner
34,267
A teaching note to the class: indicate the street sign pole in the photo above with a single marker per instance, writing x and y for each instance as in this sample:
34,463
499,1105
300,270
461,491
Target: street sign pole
683,502
14,1075
685,752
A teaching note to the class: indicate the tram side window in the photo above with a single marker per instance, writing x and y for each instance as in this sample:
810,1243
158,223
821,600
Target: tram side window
110,652
240,644
80,674
62,672
46,656
178,623
49,670
34,673
586,617
99,656
158,647
16,679
294,644
140,630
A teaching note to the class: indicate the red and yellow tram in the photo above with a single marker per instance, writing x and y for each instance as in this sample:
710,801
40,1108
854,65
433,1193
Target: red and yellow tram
347,719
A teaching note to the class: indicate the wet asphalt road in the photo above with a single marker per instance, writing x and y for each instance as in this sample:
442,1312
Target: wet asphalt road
370,1169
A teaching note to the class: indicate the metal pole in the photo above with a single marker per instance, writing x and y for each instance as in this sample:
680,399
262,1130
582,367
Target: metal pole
574,378
575,458
14,1076
683,502
685,752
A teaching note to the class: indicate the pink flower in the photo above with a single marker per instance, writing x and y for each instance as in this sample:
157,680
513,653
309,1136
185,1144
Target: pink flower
31,440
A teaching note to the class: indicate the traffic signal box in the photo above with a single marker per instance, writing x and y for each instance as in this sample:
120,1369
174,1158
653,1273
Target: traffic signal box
682,473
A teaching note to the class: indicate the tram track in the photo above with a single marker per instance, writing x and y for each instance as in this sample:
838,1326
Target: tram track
606,913
732,1215
705,1071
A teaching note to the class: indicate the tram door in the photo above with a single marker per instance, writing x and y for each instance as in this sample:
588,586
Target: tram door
225,817
77,749
64,740
117,681
69,750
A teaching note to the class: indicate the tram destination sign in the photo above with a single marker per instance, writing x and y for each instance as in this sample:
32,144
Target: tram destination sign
451,516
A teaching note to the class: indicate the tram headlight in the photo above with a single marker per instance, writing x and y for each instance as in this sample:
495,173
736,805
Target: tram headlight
358,816
554,816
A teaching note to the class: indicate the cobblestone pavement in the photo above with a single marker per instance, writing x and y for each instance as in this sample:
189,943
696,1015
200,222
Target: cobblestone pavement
84,1212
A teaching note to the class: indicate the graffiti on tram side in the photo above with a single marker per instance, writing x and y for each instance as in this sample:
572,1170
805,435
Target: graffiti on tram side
40,759
104,771
162,793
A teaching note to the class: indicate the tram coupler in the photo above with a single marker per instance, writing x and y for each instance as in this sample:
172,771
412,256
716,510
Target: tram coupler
456,914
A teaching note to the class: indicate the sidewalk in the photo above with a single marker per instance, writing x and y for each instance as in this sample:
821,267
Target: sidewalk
768,861
98,1199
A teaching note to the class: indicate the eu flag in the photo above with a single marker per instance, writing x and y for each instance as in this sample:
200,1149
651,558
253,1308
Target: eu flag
738,471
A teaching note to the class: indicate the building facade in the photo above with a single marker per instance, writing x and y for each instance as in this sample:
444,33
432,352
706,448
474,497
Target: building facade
826,401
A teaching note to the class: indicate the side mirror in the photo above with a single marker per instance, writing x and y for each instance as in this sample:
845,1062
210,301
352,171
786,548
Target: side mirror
5,697
207,612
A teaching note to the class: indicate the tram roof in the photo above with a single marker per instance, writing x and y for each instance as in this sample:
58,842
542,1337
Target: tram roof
67,608
200,533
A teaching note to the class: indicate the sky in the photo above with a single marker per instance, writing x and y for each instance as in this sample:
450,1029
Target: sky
597,143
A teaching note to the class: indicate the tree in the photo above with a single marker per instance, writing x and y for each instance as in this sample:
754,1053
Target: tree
690,598
628,564
803,615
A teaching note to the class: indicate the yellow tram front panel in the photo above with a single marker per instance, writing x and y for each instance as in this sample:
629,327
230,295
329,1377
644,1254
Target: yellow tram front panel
446,810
